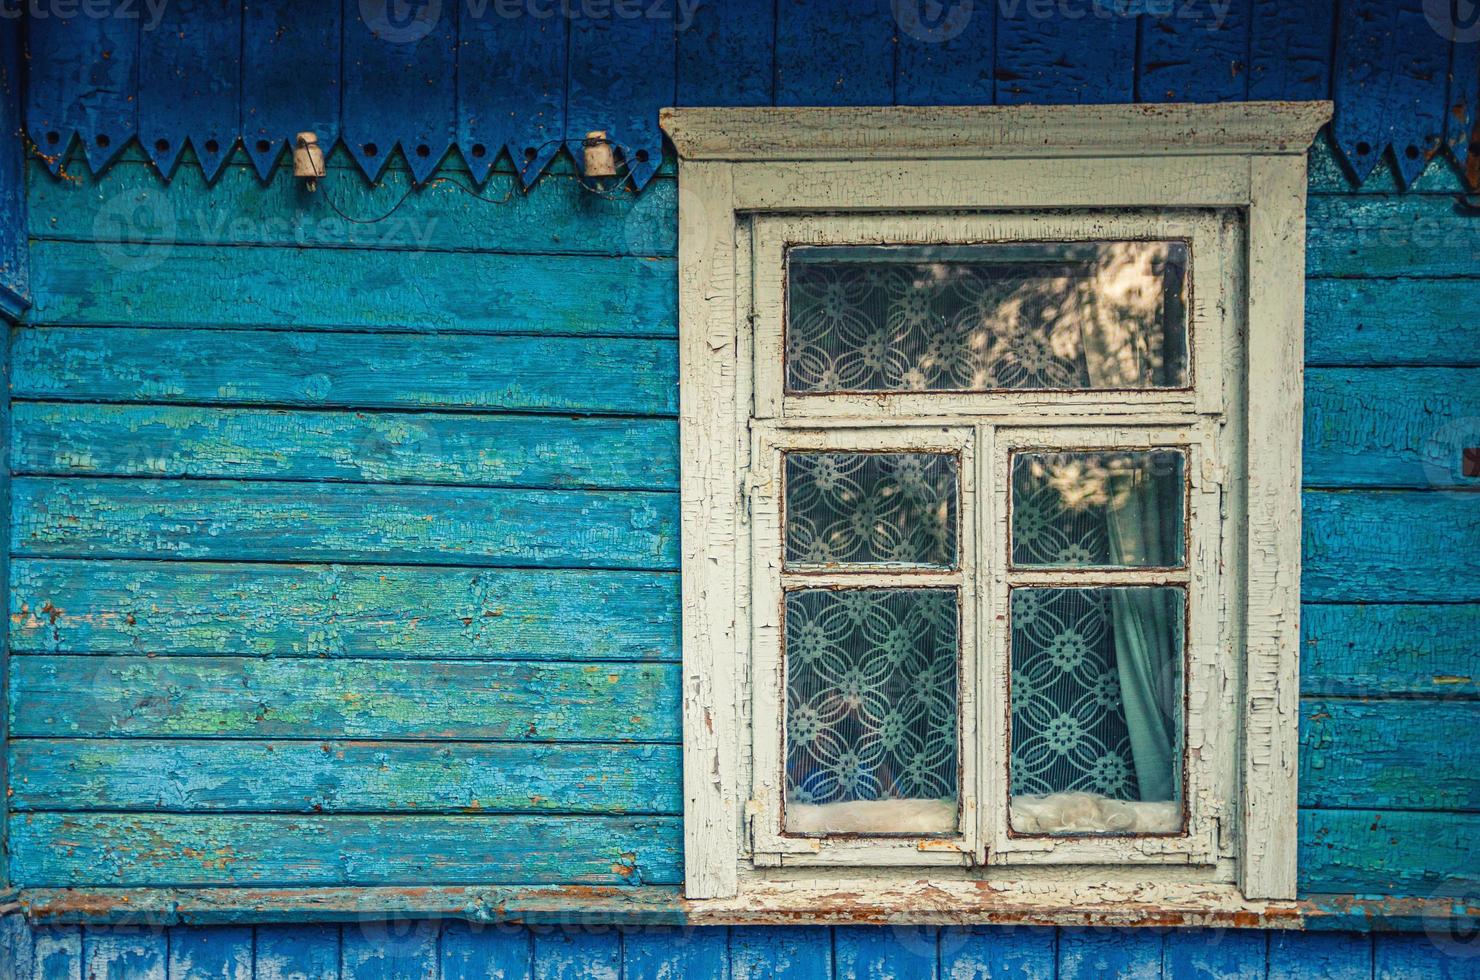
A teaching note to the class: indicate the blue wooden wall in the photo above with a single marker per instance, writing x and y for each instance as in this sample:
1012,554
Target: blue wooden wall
429,950
413,78
344,554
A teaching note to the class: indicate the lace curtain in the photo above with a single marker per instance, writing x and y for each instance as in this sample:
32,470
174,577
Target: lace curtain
871,674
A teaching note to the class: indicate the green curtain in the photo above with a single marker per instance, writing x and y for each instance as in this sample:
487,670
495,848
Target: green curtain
1148,628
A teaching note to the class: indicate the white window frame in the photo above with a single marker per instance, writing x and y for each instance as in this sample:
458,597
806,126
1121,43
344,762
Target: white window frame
754,180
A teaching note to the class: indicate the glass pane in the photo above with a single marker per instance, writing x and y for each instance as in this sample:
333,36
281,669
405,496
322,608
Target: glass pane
1098,509
871,711
1097,710
871,509
1107,315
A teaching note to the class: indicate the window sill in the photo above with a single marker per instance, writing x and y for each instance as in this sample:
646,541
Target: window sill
924,903
870,900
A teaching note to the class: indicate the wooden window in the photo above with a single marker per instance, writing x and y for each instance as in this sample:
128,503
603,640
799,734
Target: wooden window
990,428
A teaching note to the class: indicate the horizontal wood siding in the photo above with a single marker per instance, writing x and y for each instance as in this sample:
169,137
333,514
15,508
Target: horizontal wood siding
347,554
431,950
1389,663
216,775
348,551
334,849
235,697
362,611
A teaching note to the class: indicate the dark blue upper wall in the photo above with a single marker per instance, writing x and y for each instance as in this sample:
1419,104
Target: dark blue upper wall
529,75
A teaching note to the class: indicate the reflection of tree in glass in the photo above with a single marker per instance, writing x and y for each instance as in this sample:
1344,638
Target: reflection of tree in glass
1078,508
976,318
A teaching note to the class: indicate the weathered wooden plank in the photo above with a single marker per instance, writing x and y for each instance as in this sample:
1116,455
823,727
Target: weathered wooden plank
1418,322
337,611
1329,176
983,952
83,78
558,216
57,953
1195,53
834,52
1390,649
215,775
944,54
1123,953
17,948
573,952
664,952
781,952
1390,755
389,949
1396,427
1462,108
128,954
80,439
214,520
177,849
550,904
477,951
1330,955
402,62
1229,954
296,952
1369,235
1290,50
1057,54
290,79
885,952
238,367
620,73
1389,546
229,697
1370,852
224,286
15,248
1424,956
525,112
1389,77
725,57
210,953
189,83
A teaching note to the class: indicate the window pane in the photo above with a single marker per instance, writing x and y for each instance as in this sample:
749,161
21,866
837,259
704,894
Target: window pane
1098,509
871,711
1107,315
871,508
1097,710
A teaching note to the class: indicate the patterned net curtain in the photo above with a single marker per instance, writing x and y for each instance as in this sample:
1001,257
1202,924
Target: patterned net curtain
871,711
871,673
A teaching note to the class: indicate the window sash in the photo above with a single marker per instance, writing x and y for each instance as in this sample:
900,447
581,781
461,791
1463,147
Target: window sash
1210,286
988,426
770,843
1208,661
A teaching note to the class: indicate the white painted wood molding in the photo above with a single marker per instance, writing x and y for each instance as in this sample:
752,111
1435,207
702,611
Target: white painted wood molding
972,132
744,173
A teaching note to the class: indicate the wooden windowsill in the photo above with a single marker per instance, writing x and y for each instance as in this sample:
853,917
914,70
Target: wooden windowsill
649,905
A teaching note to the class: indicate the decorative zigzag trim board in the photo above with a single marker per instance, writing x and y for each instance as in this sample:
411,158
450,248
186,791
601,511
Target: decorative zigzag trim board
528,77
